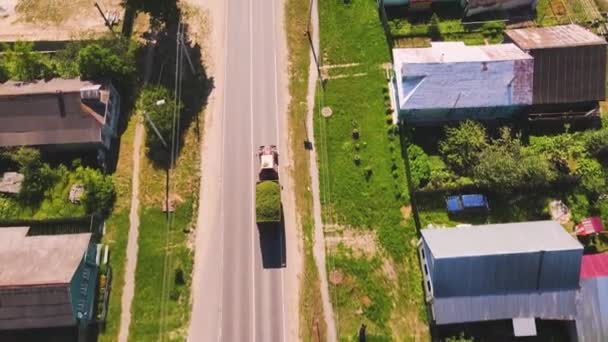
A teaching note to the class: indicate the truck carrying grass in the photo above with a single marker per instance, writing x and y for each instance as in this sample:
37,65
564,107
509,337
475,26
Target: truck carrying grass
268,202
268,190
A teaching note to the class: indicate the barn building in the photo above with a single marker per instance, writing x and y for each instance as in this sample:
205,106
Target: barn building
516,271
569,67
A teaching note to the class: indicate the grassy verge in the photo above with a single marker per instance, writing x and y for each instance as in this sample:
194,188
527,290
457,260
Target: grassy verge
146,322
373,265
117,231
312,324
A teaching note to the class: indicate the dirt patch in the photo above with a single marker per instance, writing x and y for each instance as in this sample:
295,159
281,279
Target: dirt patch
406,212
388,268
54,20
366,301
362,243
336,277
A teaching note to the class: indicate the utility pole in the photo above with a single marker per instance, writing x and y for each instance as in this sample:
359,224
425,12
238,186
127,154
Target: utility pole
312,46
105,19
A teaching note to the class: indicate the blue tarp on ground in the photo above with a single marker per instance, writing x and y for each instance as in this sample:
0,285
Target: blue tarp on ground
463,202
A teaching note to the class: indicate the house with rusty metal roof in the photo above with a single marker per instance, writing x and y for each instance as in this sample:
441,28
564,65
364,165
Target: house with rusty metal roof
515,271
64,114
451,81
46,280
569,66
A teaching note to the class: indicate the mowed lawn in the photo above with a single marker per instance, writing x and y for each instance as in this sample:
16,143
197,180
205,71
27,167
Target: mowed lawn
372,263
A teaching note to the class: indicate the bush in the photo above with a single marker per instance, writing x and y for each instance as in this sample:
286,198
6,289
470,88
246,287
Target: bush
592,176
597,143
22,63
268,202
161,115
99,191
355,133
420,169
37,176
96,62
462,146
579,206
357,159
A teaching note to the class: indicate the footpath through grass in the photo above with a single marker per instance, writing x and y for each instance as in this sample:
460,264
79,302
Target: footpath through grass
312,325
372,262
148,301
117,231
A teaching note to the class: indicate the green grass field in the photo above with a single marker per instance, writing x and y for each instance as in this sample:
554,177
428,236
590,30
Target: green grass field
363,184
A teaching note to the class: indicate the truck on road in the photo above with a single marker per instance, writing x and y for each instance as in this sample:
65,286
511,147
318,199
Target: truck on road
267,190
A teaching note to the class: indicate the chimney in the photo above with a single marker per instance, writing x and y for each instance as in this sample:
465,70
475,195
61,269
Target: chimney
61,103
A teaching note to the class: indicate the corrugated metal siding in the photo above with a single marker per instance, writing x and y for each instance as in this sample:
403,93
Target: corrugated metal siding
569,75
506,273
592,317
559,305
482,275
482,6
561,269
35,307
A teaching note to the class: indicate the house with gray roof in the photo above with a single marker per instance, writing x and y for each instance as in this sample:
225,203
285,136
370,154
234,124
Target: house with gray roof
451,81
59,114
515,271
46,280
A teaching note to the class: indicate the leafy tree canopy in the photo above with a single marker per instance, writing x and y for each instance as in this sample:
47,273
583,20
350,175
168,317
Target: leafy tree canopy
20,62
462,146
160,114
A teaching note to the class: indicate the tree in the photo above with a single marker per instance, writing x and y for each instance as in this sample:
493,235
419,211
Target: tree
462,145
419,166
597,143
434,30
37,176
96,62
99,190
161,115
21,63
505,165
592,176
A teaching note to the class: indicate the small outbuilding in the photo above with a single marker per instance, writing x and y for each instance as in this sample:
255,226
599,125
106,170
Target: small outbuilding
569,63
451,81
46,281
523,271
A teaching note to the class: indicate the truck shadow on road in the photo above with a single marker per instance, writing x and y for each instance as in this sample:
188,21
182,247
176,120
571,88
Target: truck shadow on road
272,244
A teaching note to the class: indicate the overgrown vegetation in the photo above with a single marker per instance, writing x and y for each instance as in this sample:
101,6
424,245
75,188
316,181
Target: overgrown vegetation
443,26
363,183
110,57
45,190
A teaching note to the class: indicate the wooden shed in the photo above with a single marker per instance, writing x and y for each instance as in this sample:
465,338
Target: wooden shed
569,63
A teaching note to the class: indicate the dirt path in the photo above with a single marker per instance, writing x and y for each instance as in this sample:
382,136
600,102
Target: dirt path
319,240
129,288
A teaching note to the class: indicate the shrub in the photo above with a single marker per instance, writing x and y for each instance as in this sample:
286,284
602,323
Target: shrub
96,62
268,202
462,146
592,176
389,119
357,159
22,63
368,172
597,143
99,193
161,115
355,133
579,206
420,169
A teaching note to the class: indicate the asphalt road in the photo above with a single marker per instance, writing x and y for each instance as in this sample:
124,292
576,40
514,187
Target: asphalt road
242,287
